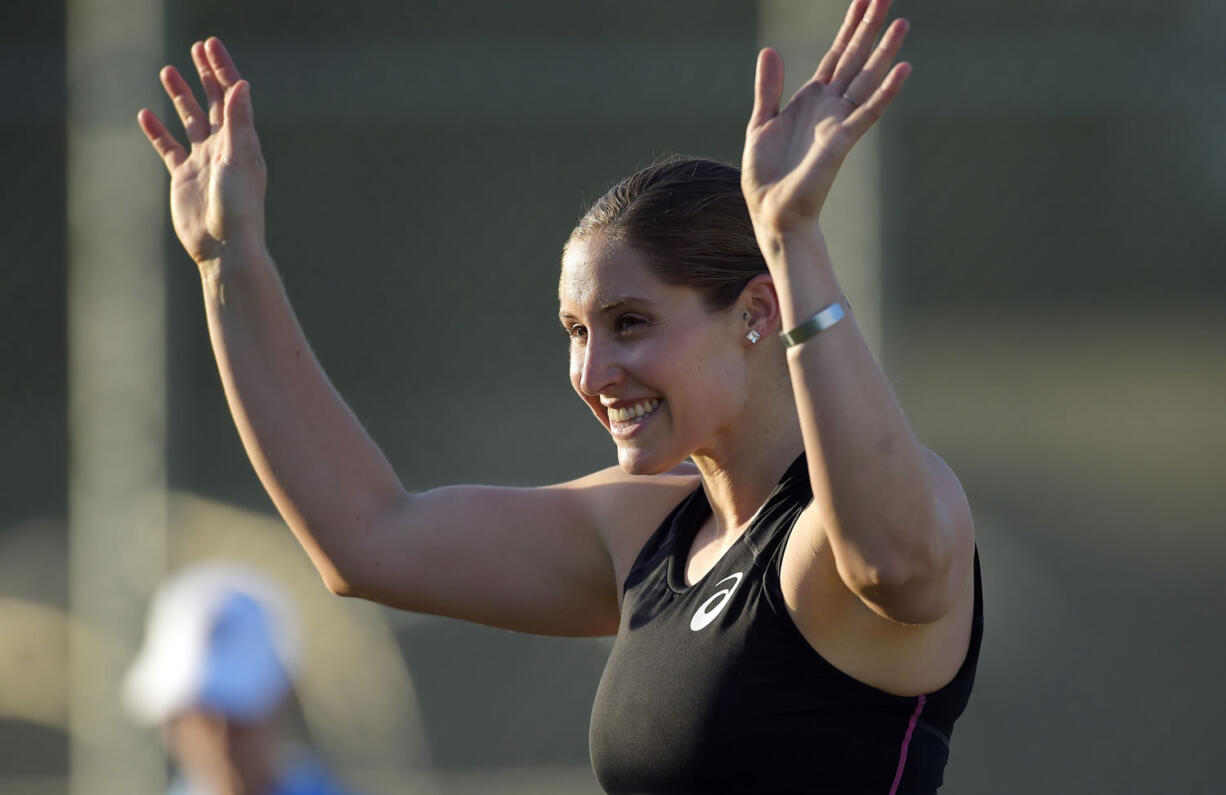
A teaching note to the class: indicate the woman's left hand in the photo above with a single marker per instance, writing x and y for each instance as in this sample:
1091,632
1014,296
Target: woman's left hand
792,156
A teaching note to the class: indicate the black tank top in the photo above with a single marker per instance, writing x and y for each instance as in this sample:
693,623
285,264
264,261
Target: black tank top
711,688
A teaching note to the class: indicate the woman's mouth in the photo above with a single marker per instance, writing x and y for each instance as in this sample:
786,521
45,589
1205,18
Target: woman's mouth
625,421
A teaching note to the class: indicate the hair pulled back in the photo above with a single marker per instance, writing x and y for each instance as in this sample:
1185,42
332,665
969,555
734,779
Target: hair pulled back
688,217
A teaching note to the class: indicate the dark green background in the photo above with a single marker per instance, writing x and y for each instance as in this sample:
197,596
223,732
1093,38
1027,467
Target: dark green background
1053,185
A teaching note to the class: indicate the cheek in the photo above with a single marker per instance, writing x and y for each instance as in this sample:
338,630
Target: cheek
717,382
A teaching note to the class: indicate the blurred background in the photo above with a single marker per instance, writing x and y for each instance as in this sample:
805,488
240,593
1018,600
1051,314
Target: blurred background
1033,239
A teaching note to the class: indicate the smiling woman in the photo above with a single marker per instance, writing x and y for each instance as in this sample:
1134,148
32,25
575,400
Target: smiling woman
650,275
649,358
790,576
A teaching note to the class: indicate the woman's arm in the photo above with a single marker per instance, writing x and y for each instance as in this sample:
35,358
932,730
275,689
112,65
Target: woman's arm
531,559
894,514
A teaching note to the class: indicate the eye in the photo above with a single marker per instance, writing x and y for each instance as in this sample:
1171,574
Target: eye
628,323
576,332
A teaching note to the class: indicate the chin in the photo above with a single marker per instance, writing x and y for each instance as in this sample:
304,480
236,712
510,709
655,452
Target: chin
636,461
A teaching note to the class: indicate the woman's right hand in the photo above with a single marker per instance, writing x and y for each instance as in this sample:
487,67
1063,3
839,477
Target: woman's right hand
216,189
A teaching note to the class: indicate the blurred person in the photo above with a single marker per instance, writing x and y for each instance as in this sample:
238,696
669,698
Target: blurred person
216,674
790,576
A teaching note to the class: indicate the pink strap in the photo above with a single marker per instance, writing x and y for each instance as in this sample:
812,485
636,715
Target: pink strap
906,741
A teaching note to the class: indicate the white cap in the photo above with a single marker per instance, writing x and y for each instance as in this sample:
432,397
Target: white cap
220,636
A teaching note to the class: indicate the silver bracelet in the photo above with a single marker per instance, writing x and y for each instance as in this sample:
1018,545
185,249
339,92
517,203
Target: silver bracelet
815,325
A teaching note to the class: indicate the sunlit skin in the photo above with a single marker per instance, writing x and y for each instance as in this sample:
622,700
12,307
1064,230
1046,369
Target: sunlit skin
633,338
713,396
879,569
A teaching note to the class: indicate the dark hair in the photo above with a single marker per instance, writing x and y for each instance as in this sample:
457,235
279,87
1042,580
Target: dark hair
688,217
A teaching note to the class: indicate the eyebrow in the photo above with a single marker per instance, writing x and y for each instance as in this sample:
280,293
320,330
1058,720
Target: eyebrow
615,303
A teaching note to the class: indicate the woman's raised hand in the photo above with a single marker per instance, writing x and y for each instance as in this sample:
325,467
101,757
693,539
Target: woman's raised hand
216,188
792,156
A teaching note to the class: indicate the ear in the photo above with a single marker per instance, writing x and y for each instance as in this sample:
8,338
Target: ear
760,300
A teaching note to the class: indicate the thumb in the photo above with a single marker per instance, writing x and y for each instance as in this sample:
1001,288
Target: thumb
238,126
768,88
238,108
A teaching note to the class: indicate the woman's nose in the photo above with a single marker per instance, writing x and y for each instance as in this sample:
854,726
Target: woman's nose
598,368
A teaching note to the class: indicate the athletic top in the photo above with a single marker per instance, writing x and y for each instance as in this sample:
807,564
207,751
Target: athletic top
711,688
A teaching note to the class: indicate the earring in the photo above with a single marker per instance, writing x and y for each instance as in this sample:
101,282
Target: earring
753,336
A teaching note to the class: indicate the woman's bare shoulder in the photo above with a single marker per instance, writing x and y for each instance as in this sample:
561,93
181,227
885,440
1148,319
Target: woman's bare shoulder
627,508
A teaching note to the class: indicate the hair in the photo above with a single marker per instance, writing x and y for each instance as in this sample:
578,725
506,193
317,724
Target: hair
688,217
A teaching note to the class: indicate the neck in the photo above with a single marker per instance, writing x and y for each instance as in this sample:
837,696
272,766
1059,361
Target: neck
740,474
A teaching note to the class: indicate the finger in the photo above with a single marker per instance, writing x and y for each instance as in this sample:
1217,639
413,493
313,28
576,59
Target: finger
825,69
860,46
195,124
222,63
767,89
212,91
238,109
867,114
241,142
171,152
865,83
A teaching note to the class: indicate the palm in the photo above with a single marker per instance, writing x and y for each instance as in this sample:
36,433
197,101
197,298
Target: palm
790,163
195,203
792,156
216,189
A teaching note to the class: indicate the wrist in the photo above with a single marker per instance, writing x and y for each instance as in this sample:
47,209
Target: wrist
805,281
231,258
780,244
787,250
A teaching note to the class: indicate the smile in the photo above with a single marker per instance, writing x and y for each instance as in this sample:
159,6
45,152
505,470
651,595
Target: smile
633,412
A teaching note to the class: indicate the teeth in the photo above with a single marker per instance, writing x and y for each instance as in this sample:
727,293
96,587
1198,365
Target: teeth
633,412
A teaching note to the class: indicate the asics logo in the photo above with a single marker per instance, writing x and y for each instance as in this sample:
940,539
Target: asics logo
711,608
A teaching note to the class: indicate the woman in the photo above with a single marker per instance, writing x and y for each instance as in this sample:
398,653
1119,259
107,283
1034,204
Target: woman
791,577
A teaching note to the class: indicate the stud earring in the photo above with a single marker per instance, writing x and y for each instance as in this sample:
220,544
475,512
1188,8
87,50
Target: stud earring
753,336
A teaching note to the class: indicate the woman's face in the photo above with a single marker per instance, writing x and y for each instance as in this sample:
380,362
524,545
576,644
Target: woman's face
662,373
